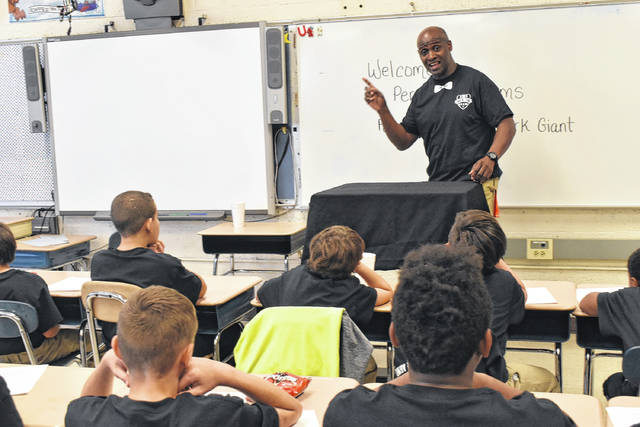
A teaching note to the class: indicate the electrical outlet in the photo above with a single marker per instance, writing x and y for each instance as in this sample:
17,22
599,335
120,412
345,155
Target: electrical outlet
539,248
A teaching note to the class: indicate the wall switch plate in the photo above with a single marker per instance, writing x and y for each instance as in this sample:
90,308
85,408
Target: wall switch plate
539,248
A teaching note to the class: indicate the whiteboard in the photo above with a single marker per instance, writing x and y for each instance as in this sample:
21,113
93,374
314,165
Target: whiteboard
179,114
567,74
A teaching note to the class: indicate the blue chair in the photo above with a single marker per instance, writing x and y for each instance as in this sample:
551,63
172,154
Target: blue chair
18,320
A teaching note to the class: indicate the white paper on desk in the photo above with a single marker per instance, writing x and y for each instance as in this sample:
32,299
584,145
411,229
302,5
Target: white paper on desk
234,393
540,296
68,284
308,419
623,417
582,292
21,379
47,240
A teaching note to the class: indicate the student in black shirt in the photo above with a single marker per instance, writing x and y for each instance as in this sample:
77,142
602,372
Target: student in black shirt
327,279
441,319
139,258
481,231
152,355
9,416
619,315
49,342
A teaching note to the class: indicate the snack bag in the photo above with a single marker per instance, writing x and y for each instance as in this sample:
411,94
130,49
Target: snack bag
292,384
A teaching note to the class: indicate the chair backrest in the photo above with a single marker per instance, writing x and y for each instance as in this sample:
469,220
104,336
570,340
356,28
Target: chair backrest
631,364
105,299
10,311
18,320
300,340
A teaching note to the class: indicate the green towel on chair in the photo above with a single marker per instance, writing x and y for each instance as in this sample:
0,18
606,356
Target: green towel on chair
300,340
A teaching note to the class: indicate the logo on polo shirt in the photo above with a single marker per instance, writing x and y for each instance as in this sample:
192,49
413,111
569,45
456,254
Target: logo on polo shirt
463,100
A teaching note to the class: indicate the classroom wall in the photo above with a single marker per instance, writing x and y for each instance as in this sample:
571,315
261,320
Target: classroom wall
588,224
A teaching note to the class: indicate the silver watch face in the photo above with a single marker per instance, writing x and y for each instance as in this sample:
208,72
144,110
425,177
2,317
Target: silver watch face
492,155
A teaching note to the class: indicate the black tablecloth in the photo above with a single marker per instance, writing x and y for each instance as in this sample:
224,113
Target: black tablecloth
393,218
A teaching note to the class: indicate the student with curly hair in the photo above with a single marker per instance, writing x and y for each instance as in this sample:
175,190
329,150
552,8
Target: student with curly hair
441,319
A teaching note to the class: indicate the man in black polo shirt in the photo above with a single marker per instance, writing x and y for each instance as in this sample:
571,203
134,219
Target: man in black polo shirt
459,113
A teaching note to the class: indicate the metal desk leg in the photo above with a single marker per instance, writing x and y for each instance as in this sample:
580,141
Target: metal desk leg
588,355
558,354
286,263
215,263
233,264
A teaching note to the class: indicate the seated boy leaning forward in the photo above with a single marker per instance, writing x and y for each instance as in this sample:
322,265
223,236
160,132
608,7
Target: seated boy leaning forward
152,355
327,279
619,316
49,342
481,231
140,259
441,319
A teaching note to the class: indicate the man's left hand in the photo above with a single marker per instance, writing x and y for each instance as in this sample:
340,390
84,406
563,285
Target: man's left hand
482,170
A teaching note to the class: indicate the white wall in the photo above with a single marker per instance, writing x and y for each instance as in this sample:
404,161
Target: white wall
181,238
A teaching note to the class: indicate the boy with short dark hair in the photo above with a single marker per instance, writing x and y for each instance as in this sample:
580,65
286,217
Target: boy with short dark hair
152,354
619,315
49,342
327,278
441,318
140,259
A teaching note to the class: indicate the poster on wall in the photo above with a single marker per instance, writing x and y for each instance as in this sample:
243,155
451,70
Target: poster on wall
42,10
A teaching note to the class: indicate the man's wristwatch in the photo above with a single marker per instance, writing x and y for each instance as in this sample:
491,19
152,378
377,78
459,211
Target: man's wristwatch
493,156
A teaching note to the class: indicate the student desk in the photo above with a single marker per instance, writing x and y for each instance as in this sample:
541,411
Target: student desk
393,217
317,396
588,336
622,402
54,256
547,322
20,226
281,238
46,404
226,302
584,410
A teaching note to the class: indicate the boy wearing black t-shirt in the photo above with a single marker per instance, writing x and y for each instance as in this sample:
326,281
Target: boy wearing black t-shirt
481,231
152,355
441,319
49,342
140,259
327,279
619,315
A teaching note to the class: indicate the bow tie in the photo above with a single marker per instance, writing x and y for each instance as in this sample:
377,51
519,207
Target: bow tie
447,86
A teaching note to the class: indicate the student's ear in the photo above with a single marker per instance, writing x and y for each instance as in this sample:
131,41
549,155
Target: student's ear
185,356
392,335
484,347
148,224
633,282
115,345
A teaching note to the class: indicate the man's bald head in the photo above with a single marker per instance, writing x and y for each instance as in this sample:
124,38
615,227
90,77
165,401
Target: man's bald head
434,48
434,33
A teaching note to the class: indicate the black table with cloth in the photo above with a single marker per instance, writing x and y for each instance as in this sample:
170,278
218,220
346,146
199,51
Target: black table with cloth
393,218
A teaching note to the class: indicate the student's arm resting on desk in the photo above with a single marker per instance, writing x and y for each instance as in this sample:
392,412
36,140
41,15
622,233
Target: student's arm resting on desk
374,280
589,304
100,383
204,374
396,133
203,288
483,380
